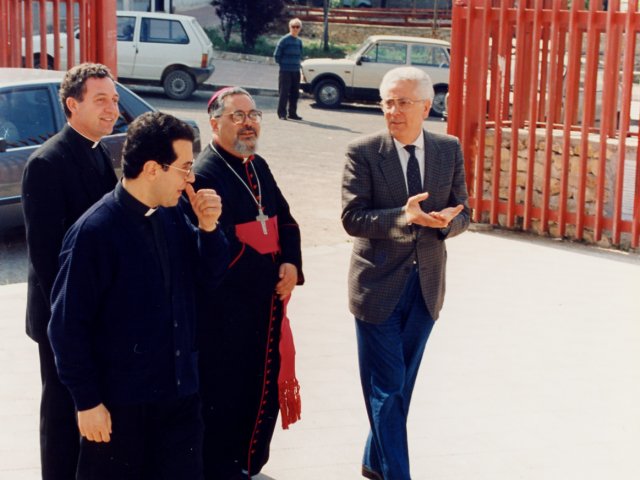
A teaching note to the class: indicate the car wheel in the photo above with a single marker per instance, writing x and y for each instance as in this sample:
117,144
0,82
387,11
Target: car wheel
439,105
328,93
178,85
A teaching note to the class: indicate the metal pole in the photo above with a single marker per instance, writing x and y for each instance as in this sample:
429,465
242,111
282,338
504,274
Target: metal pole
325,35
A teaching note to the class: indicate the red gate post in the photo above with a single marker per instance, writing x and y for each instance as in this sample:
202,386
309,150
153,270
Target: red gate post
533,115
497,98
105,35
56,34
627,76
71,48
17,19
571,99
86,30
476,114
608,108
519,85
551,102
4,28
593,40
635,228
456,73
42,9
28,35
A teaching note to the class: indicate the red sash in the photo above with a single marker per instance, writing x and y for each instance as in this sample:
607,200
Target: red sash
288,387
252,234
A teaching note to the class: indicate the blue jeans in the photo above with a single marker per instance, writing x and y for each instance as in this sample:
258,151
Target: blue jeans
389,356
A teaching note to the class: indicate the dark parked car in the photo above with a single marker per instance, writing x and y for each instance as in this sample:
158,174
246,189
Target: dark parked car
30,113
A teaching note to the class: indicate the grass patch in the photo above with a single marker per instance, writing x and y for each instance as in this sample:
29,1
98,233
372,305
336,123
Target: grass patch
314,49
266,45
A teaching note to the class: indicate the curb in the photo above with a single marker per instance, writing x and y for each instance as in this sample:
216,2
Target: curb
265,92
242,57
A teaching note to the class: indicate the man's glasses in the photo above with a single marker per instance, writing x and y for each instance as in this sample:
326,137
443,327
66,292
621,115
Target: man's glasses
186,171
401,104
239,117
295,26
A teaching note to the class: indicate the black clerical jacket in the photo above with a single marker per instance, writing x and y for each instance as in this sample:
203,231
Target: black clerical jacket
60,182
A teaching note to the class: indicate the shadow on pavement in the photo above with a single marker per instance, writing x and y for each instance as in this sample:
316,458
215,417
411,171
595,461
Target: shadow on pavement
565,245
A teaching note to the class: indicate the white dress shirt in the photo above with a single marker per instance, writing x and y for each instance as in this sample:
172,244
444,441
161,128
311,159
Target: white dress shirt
404,156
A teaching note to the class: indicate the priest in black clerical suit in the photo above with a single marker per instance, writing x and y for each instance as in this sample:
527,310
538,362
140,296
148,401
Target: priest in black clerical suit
246,350
62,179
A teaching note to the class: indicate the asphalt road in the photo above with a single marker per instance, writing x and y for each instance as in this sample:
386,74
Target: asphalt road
306,158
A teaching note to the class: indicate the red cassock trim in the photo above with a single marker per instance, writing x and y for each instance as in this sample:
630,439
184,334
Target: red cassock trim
233,262
267,370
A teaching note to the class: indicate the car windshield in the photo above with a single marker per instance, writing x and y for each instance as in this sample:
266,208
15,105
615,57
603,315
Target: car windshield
365,45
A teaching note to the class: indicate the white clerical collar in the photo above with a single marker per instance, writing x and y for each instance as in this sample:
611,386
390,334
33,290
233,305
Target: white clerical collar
95,144
418,142
150,212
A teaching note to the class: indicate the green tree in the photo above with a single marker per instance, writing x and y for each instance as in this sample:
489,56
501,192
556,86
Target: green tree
251,16
227,18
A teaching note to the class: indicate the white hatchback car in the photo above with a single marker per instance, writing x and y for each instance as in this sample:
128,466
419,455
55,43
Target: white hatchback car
158,48
357,77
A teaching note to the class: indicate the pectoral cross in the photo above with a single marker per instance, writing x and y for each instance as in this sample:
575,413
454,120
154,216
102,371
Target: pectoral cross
262,218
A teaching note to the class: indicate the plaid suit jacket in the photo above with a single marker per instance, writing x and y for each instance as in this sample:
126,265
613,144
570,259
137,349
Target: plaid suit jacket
385,248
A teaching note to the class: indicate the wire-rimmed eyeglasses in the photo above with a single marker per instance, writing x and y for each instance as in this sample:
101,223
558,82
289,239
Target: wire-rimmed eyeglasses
239,117
401,104
186,171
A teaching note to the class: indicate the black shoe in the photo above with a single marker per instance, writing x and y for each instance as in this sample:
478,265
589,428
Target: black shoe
295,117
282,117
368,473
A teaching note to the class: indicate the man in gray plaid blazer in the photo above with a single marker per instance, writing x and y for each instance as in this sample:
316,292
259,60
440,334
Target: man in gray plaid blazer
403,194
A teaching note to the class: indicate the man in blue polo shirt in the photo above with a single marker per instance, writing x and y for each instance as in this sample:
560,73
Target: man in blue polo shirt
288,55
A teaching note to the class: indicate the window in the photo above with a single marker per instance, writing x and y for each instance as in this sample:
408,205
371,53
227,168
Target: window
125,28
388,53
26,117
154,30
426,55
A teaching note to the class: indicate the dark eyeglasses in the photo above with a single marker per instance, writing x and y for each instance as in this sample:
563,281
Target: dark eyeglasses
238,117
295,26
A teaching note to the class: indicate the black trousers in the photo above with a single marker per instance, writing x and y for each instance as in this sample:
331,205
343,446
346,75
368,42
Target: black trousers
59,436
152,441
289,89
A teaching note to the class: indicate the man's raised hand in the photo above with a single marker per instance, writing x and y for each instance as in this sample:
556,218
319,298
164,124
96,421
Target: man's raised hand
416,216
207,205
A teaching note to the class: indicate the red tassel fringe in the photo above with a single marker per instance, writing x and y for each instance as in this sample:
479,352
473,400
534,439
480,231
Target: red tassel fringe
290,403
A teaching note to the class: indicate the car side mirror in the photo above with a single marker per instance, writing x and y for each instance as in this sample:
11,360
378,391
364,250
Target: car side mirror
362,59
3,144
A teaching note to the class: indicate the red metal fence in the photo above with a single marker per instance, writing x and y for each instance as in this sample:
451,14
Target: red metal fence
541,98
21,20
399,17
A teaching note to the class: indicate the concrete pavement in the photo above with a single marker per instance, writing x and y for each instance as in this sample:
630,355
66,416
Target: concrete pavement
533,371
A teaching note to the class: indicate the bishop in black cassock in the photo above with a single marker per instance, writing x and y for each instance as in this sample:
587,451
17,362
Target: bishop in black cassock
246,350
